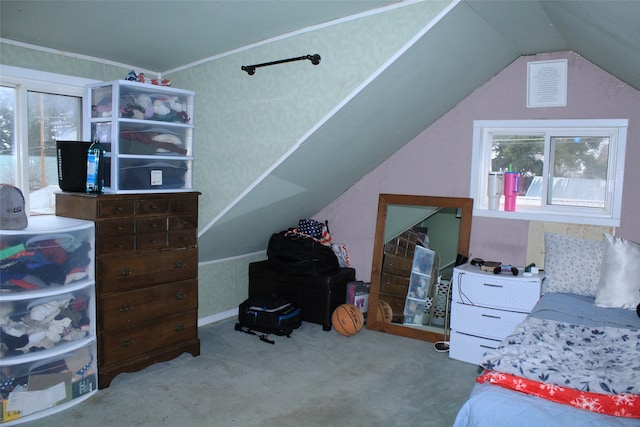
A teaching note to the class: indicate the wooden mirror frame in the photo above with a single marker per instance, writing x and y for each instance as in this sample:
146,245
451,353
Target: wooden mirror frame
385,200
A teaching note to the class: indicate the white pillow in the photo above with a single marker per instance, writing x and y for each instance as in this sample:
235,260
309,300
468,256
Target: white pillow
571,264
620,274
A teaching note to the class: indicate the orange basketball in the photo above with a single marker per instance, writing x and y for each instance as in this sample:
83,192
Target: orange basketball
385,313
347,319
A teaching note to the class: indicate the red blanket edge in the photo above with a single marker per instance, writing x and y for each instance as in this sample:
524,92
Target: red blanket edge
620,405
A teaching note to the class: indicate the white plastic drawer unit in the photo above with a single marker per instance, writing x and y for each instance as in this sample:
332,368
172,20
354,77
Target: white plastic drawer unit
486,308
48,356
502,291
147,132
51,252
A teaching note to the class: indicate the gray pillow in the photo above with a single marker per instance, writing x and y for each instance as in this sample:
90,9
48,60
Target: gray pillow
619,284
571,264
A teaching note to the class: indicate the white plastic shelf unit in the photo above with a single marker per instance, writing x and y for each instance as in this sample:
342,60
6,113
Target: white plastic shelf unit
147,131
48,354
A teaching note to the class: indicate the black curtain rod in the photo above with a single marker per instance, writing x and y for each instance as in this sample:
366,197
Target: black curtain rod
251,69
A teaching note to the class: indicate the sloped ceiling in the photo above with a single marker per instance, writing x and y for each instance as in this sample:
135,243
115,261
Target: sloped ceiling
480,39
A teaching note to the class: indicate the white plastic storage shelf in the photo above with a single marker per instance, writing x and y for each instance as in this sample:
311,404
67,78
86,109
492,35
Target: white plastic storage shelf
47,318
147,131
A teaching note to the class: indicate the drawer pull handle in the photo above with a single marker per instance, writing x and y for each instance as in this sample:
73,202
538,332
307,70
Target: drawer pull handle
491,317
179,264
124,272
120,209
154,225
487,346
154,206
180,296
179,328
492,285
125,308
119,228
125,343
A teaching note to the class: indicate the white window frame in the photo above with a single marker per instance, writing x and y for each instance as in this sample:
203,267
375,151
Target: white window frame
24,80
481,164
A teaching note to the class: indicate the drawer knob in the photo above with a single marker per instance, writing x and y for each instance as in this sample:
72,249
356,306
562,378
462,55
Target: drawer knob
124,272
179,264
125,308
125,343
180,296
179,328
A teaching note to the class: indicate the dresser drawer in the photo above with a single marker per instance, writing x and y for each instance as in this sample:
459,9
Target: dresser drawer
135,271
183,239
120,344
496,291
116,208
152,206
151,225
150,241
470,348
184,222
116,227
484,321
392,284
128,308
397,265
113,245
184,205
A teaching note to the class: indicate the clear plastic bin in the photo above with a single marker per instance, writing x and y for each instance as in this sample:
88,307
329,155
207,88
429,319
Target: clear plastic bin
34,388
46,320
51,252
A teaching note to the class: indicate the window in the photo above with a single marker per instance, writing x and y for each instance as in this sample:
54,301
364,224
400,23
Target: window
36,110
569,170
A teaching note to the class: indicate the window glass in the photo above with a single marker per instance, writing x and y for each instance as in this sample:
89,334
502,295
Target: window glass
568,170
8,160
522,153
51,118
579,172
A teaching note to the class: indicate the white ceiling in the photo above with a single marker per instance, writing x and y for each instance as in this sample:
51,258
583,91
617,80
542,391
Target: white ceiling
476,40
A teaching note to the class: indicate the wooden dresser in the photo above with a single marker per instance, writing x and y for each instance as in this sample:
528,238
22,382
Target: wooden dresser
146,276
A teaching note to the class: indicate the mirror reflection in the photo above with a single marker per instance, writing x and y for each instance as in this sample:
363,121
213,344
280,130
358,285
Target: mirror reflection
418,242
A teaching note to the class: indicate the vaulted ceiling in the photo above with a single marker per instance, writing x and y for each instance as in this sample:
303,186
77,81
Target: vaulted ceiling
481,38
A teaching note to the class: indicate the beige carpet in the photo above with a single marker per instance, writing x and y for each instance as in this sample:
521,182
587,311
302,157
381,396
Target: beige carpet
314,378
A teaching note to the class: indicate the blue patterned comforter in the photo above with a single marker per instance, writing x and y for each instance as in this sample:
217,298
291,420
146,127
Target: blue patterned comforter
597,359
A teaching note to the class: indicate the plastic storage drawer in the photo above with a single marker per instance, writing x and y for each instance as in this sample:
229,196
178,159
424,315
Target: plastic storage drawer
34,387
52,252
154,174
46,320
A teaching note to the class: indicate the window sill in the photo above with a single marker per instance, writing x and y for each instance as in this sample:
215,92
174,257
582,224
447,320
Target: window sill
533,215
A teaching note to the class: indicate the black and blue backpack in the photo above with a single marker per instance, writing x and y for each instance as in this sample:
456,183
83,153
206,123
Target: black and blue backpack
268,314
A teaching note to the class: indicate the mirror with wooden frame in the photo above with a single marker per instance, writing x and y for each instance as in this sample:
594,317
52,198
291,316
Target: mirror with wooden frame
418,242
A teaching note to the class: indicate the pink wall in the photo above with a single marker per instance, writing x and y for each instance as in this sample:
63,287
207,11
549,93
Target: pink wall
438,161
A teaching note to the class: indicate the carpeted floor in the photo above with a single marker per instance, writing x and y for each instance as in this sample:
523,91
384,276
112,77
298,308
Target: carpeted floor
314,378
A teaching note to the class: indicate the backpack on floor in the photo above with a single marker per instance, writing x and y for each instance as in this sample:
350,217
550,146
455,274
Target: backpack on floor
291,253
268,314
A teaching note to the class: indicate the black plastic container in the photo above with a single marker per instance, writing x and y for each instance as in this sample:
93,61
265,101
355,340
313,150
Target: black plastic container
72,165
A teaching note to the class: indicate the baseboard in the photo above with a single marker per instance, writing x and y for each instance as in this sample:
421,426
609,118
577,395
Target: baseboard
218,317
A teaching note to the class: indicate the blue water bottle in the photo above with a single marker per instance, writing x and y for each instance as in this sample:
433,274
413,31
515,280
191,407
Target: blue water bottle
95,168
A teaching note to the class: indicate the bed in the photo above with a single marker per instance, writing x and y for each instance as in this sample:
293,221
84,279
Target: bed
575,359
